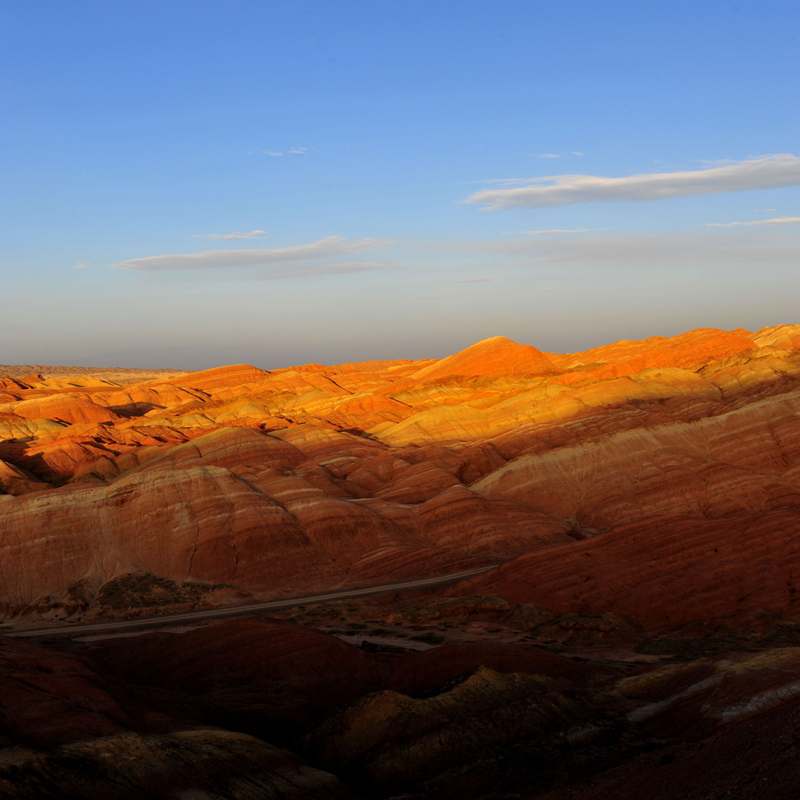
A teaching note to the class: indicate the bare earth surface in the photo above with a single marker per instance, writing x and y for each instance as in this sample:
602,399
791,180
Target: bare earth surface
640,638
114,374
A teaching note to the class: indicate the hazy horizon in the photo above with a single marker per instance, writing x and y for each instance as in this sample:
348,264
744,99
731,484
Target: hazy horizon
170,358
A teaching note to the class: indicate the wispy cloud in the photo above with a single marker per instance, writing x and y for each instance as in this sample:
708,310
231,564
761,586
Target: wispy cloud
335,268
758,222
508,181
557,231
329,247
765,172
81,265
475,280
557,155
236,235
295,151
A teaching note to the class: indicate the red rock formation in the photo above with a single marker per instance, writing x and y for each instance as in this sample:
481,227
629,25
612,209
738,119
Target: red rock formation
14,480
52,698
221,377
203,523
419,672
64,408
261,674
782,337
11,385
258,675
393,741
692,350
664,572
195,763
71,733
489,358
269,483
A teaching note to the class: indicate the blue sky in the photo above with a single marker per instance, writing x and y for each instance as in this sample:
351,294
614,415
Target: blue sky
374,180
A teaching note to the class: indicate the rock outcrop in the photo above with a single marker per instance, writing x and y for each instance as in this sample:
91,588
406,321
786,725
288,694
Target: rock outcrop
489,358
641,498
219,764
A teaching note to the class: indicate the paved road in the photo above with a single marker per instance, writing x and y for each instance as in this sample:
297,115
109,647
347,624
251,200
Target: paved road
71,629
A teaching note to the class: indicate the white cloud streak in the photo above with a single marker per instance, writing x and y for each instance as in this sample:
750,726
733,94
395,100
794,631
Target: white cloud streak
296,151
765,172
548,155
236,235
335,268
756,223
81,265
329,247
557,231
509,181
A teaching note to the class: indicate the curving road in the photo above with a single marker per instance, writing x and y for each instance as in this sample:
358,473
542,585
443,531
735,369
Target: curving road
71,629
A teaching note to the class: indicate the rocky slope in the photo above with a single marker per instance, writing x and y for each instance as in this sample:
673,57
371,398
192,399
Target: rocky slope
678,458
642,499
199,714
